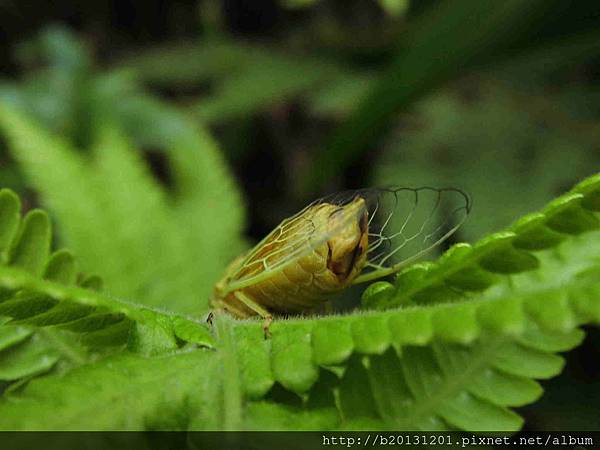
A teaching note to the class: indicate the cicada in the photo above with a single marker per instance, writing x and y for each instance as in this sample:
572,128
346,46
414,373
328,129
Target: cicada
337,241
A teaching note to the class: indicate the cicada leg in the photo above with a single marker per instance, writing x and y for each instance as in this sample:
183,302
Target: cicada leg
210,317
262,312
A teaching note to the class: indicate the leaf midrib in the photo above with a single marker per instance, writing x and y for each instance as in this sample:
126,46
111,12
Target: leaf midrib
453,385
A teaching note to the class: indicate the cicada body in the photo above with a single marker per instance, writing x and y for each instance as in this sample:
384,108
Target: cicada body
336,241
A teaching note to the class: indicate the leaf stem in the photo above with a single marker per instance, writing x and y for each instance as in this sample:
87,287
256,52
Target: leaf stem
231,389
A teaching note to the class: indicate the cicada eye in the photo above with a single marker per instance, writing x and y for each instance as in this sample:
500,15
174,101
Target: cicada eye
363,221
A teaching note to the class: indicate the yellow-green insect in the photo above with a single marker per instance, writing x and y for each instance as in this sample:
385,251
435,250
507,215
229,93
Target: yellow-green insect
336,241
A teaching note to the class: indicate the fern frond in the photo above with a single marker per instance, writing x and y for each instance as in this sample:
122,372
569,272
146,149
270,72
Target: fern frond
122,224
457,364
36,302
41,303
460,364
300,347
155,397
466,269
23,355
25,244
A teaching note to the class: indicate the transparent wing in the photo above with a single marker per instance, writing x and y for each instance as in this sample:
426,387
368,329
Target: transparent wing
295,237
405,223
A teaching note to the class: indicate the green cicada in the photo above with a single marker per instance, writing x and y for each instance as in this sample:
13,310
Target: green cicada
343,239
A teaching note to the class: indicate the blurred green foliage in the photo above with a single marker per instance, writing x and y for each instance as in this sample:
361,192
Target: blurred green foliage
123,224
109,128
508,152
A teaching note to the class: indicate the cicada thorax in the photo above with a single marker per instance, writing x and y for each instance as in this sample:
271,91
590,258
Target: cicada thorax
337,254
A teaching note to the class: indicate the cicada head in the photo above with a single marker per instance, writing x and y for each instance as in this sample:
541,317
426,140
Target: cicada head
347,229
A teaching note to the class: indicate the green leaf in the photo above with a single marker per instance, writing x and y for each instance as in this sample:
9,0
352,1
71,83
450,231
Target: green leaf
122,224
35,297
395,7
148,389
32,246
31,303
332,342
424,366
253,354
291,360
370,334
518,360
10,208
61,267
25,360
11,335
275,416
26,304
